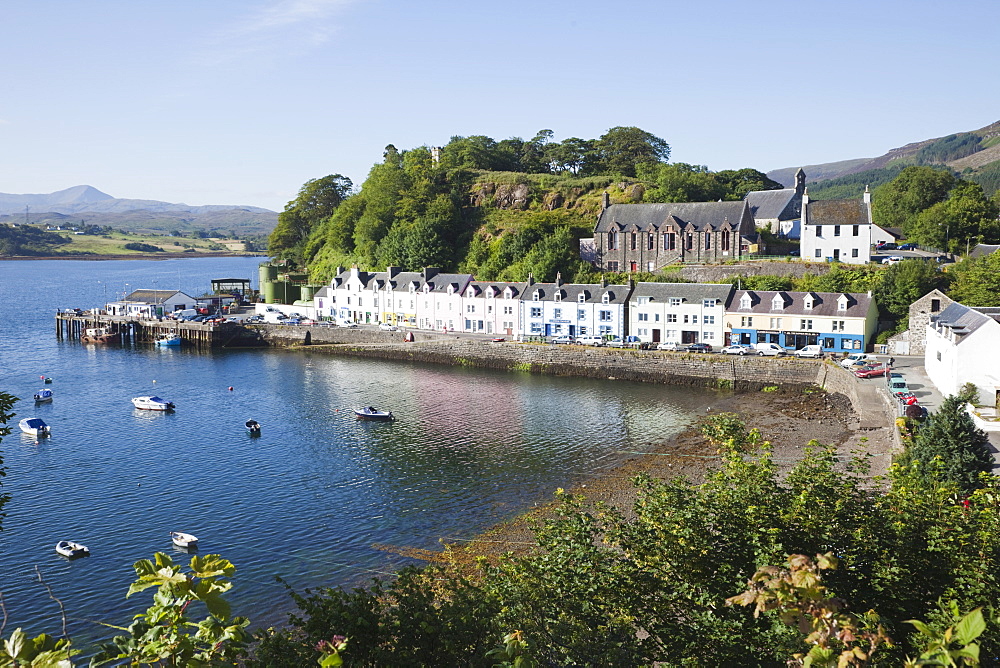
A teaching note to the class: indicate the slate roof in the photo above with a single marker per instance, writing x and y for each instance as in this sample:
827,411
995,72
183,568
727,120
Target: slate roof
702,216
960,319
689,292
983,249
439,283
784,204
154,296
824,304
837,212
499,288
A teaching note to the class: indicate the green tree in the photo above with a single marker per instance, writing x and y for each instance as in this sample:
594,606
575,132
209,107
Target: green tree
382,192
958,222
316,201
621,150
899,202
904,283
680,182
739,182
976,281
950,444
570,155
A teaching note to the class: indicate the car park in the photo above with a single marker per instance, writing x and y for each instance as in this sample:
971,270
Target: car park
669,345
565,338
809,351
737,349
699,348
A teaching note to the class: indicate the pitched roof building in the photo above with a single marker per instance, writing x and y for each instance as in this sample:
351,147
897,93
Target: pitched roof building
646,237
779,211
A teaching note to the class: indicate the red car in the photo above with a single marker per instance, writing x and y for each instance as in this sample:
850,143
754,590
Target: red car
871,371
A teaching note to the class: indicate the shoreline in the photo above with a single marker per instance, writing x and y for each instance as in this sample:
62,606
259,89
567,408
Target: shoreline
126,256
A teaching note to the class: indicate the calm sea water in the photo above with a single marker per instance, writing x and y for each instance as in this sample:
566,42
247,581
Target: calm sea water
307,500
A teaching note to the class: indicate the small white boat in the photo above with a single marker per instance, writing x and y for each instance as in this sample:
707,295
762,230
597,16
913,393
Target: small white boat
152,404
168,340
70,549
253,427
43,396
370,413
181,539
35,427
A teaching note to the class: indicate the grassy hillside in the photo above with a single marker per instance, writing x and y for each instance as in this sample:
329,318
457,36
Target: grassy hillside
229,222
35,241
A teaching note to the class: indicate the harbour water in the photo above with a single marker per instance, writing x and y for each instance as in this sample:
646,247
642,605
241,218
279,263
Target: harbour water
311,497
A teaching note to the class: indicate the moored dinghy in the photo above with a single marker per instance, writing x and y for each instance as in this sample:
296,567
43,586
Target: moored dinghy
43,396
370,413
152,404
182,539
34,427
69,549
253,427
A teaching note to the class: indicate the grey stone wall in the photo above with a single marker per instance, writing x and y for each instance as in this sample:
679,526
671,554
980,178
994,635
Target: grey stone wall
722,273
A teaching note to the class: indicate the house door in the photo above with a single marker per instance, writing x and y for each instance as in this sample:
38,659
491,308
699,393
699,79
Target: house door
656,336
633,267
689,337
489,327
836,253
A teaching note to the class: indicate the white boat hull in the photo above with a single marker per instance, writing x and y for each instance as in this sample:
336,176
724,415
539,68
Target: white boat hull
34,427
70,549
185,540
152,404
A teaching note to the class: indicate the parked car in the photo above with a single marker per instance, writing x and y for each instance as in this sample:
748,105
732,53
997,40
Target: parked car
615,342
769,349
848,361
254,318
794,253
590,340
388,327
809,351
898,387
737,349
564,338
699,348
308,321
669,345
347,323
497,339
871,371
908,246
886,246
892,259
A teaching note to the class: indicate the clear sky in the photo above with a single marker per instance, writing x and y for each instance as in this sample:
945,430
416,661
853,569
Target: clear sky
241,102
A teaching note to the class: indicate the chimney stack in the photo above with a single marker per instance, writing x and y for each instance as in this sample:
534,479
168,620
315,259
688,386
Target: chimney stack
605,200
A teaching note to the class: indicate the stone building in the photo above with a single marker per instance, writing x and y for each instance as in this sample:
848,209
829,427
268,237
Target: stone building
914,340
779,211
646,237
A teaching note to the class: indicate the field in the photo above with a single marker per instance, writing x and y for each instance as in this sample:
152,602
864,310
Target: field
114,244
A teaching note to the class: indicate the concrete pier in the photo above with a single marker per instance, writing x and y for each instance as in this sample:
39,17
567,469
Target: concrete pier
71,325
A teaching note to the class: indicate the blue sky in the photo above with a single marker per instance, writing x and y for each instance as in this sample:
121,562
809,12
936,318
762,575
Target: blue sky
227,102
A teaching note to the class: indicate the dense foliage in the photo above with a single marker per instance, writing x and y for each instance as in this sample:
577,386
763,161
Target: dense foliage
606,588
949,148
498,209
28,240
852,186
144,248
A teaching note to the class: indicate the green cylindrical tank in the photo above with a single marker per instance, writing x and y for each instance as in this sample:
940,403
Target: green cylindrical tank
292,293
307,292
269,288
267,272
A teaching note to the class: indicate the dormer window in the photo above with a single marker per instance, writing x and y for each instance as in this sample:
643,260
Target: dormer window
606,298
778,303
842,303
427,288
536,295
471,292
508,294
581,297
557,296
807,302
745,302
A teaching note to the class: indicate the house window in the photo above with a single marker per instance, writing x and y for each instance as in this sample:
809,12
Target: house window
605,316
829,342
671,317
535,296
583,330
854,252
805,324
708,336
855,233
708,319
632,240
935,305
651,242
745,301
710,303
836,230
508,310
656,317
725,240
557,313
819,252
939,356
470,308
581,297
669,241
612,240
612,266
643,317
819,232
708,241
536,311
536,328
775,323
670,334
581,314
838,326
675,301
689,244
746,321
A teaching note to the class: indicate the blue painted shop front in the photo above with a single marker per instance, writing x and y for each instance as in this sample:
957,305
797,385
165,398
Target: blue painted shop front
831,342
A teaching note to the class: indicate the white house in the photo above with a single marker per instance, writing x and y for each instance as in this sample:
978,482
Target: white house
679,312
493,308
439,300
558,309
962,348
839,230
152,303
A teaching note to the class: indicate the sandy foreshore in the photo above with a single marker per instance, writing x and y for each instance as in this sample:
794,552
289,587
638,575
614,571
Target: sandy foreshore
788,420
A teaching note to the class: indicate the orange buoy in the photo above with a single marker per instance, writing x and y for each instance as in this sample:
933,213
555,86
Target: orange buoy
230,388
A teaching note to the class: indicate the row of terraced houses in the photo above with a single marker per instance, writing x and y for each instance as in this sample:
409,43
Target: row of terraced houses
682,313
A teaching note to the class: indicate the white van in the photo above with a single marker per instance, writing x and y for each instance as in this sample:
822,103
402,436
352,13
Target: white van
590,340
274,317
809,351
772,349
184,313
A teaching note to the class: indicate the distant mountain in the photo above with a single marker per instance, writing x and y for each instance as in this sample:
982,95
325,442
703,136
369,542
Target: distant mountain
85,204
974,155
